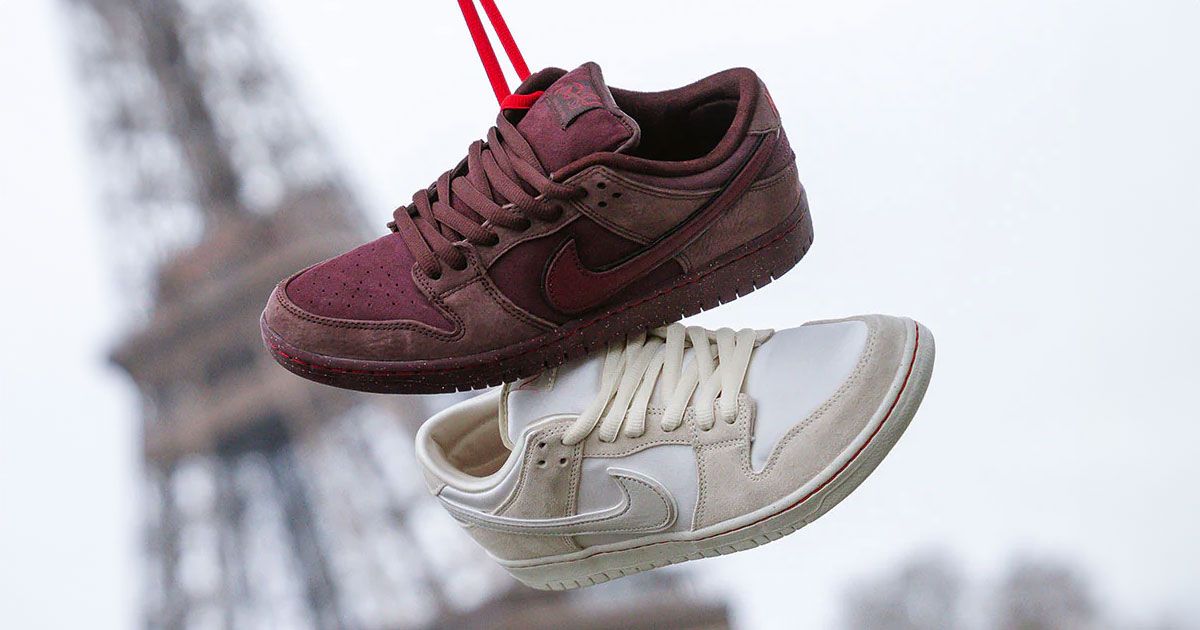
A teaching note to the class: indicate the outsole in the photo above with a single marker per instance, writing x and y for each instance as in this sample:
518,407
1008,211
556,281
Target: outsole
743,271
603,567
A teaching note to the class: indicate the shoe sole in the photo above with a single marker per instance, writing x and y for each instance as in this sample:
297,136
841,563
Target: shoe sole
747,268
601,564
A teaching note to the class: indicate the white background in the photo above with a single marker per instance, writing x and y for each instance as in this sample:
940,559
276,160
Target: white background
1020,176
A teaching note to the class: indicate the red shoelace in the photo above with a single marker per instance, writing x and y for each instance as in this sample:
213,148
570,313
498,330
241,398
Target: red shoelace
502,186
488,56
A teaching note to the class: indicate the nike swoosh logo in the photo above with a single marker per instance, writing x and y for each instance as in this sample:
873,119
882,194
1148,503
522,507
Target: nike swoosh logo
645,506
573,288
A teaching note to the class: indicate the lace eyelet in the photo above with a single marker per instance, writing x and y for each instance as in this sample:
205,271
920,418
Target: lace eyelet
492,241
434,276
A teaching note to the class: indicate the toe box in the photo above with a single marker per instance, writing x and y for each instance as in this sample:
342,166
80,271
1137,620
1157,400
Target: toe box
354,305
374,282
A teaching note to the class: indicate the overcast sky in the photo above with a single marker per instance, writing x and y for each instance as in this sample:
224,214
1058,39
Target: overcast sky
1020,176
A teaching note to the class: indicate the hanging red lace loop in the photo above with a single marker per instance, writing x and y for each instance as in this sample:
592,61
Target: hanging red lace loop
487,54
502,185
520,101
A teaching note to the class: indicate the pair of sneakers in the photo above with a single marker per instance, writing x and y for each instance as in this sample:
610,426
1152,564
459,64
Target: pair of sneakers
553,260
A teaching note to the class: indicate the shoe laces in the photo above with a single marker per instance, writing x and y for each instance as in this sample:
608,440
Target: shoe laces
710,377
501,184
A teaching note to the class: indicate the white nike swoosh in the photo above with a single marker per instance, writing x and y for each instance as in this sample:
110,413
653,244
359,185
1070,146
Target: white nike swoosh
645,506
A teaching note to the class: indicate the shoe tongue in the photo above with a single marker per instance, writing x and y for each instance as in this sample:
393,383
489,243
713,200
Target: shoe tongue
577,116
567,389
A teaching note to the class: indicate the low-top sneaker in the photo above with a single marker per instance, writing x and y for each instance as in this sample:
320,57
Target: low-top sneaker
675,445
588,213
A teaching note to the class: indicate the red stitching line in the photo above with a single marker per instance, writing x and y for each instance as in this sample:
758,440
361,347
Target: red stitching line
911,366
321,368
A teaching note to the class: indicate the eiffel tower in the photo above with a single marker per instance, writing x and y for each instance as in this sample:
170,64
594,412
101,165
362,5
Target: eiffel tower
271,502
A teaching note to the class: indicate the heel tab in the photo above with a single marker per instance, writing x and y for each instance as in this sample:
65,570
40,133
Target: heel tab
766,114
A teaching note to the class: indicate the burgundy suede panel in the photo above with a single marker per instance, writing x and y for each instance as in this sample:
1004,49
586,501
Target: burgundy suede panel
704,180
661,277
370,283
575,117
781,159
519,272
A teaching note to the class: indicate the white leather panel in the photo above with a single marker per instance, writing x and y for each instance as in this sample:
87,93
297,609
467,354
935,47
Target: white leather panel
793,373
672,465
488,499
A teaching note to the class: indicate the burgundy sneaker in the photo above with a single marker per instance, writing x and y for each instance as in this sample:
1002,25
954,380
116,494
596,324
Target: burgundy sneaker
587,214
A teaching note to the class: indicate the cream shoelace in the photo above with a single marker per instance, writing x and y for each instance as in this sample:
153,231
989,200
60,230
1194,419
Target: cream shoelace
712,379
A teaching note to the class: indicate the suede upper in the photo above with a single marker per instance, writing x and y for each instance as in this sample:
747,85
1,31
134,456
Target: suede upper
373,282
576,116
615,177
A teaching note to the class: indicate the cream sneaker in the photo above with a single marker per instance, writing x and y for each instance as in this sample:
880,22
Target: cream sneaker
675,445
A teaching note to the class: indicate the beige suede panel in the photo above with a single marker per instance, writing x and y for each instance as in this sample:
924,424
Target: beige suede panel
766,206
722,432
728,485
545,490
625,445
432,481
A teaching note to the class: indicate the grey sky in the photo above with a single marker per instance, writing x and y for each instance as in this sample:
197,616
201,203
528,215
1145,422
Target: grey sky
1020,176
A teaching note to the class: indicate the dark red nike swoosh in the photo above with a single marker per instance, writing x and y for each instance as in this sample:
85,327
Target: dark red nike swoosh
573,288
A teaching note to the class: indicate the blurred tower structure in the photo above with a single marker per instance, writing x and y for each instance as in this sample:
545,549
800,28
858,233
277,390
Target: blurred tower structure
270,501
